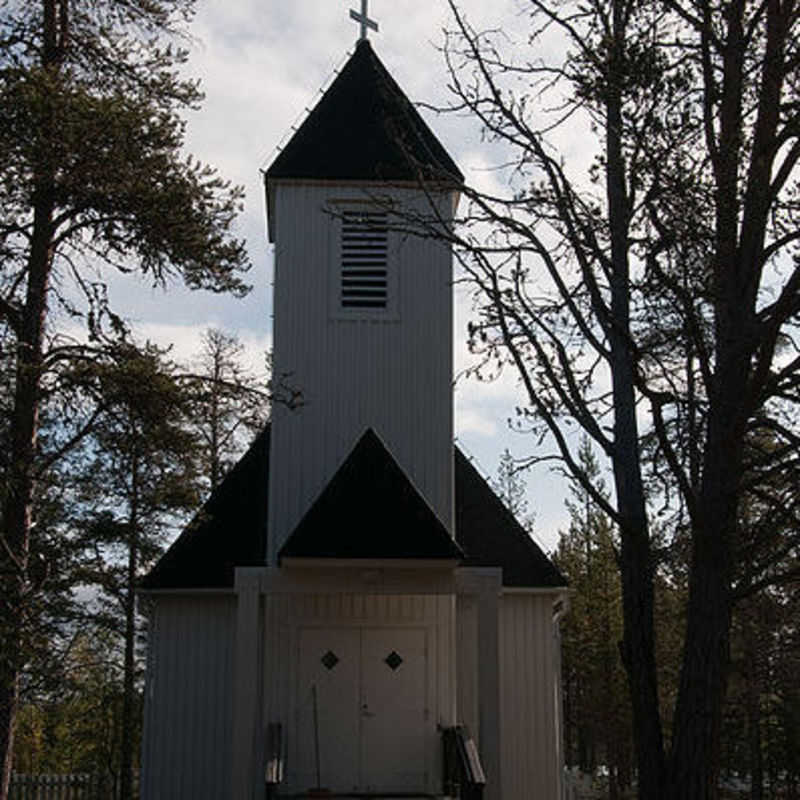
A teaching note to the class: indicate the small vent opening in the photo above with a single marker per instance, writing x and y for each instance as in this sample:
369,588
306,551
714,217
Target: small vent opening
365,237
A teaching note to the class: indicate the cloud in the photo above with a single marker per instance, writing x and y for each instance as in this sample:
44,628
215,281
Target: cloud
474,422
186,341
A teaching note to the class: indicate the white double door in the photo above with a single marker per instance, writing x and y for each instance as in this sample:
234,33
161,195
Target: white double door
362,722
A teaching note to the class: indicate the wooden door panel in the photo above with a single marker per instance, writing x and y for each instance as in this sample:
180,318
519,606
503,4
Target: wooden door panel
393,709
328,666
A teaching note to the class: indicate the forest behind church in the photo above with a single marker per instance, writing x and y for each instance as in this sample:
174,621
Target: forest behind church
653,303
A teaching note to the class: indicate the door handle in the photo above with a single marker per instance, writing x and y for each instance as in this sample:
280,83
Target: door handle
365,712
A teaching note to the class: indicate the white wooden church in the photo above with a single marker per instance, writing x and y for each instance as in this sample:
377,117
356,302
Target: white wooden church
353,612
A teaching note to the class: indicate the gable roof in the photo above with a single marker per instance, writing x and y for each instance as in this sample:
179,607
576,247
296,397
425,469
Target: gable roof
229,531
231,528
364,128
370,509
491,536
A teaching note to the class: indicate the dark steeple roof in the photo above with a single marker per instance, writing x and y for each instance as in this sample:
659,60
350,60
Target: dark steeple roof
364,128
370,509
231,528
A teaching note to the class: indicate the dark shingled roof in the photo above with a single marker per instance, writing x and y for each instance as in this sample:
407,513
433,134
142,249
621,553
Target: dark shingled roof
491,536
231,528
370,509
364,128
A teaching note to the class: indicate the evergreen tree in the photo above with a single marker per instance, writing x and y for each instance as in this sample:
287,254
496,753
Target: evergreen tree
138,477
74,726
761,734
509,486
597,727
92,178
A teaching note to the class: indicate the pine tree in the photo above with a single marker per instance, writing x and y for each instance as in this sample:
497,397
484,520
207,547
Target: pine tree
92,178
597,710
138,477
73,726
510,487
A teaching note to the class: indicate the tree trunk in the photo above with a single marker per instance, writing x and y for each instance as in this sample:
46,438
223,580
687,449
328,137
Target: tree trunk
129,687
638,646
613,780
17,511
753,694
703,682
9,705
638,655
215,421
17,507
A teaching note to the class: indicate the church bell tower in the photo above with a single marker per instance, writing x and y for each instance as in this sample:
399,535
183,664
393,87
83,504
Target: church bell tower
363,300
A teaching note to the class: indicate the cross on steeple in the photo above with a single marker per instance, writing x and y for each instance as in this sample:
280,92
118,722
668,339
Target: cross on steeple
364,20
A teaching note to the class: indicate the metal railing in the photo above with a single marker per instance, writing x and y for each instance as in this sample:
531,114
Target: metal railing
463,772
274,756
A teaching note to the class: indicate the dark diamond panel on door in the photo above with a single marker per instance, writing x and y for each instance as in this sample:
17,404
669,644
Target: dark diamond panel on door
393,660
329,660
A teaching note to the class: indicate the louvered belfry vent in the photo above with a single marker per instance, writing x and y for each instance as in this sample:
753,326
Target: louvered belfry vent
365,236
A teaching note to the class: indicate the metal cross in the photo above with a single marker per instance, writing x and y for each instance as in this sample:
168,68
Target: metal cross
364,19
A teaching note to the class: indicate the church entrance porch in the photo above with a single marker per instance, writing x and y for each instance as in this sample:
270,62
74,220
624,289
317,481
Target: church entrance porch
357,669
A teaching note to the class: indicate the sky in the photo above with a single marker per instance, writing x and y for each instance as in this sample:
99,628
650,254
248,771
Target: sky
262,63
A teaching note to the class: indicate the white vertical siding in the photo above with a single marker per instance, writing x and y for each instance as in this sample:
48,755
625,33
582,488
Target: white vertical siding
446,655
529,733
279,661
187,718
393,374
467,658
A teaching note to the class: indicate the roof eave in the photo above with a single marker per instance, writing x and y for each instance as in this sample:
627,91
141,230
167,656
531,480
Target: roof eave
453,187
296,562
